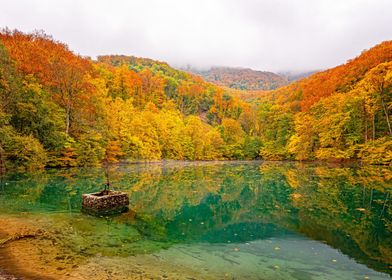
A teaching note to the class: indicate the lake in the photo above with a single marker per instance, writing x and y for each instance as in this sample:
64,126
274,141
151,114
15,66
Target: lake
201,220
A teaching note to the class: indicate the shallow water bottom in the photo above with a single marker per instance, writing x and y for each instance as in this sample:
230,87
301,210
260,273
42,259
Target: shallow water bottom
51,254
238,261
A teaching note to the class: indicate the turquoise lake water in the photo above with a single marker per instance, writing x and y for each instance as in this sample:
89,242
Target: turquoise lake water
224,220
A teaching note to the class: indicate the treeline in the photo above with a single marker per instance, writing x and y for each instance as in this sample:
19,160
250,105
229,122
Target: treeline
60,109
339,114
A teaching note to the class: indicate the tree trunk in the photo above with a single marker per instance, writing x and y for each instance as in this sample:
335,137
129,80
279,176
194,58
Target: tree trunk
385,203
374,126
366,123
371,199
67,112
182,104
2,161
366,131
386,115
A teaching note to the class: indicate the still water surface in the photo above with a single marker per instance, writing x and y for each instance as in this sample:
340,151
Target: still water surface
236,220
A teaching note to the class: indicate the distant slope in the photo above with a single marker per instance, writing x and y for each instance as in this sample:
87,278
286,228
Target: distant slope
138,64
242,78
296,75
340,79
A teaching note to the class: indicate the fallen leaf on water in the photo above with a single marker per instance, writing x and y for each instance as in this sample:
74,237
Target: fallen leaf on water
296,195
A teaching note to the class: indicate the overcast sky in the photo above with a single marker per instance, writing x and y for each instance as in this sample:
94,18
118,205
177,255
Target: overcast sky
275,35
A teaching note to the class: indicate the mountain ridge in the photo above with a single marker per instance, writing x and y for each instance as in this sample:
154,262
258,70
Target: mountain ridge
241,78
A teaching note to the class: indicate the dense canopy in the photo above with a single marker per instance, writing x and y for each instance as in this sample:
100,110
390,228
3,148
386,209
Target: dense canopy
60,109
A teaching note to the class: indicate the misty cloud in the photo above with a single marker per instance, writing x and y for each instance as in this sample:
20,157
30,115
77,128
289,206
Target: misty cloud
261,34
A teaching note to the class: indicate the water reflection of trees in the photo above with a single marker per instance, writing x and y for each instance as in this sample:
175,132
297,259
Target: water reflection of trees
349,208
346,207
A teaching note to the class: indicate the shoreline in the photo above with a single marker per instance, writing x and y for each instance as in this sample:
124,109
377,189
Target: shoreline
168,162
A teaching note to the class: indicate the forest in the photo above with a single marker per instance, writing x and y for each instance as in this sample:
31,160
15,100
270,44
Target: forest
59,109
241,78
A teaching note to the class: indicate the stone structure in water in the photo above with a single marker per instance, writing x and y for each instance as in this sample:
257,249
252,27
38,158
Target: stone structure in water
105,202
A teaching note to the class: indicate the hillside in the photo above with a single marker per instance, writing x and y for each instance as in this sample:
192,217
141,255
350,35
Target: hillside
342,78
60,109
340,113
242,78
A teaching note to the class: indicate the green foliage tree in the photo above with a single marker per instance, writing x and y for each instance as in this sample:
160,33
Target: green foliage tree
89,150
34,113
234,137
276,128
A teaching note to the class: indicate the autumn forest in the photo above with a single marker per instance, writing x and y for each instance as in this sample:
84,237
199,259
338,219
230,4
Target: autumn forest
58,109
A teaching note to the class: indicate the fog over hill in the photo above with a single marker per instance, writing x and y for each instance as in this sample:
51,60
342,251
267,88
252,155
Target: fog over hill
240,78
258,34
297,75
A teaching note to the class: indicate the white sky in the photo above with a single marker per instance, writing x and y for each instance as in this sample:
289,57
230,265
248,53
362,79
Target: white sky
274,35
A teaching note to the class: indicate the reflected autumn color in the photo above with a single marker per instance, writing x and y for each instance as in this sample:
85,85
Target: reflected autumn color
348,208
